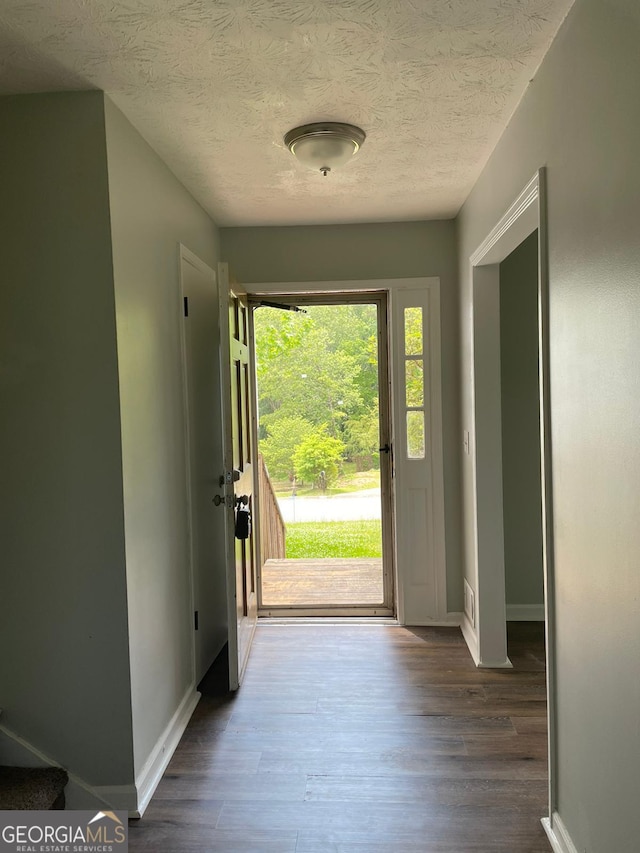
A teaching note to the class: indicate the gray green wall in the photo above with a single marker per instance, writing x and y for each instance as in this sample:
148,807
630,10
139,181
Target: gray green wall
95,606
361,252
151,213
343,252
64,667
521,490
580,118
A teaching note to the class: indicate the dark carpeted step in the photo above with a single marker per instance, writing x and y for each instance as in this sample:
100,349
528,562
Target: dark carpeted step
32,788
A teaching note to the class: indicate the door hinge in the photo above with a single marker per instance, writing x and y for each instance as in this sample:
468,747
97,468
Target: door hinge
186,306
195,619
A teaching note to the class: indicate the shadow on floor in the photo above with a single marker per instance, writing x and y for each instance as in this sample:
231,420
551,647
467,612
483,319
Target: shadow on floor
216,679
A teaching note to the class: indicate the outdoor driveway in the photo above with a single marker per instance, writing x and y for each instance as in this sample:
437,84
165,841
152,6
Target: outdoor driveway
349,507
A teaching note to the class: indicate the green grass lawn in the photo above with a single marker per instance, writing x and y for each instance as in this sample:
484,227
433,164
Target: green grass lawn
318,539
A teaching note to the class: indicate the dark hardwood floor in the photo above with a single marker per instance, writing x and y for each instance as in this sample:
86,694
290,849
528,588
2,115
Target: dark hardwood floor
362,739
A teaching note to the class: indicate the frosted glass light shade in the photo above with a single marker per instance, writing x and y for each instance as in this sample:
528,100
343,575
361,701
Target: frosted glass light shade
324,146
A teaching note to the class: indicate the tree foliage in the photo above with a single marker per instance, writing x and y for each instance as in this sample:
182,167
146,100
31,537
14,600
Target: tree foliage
317,458
362,439
318,369
284,435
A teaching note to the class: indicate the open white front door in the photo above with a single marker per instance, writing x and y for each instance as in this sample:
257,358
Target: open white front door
242,601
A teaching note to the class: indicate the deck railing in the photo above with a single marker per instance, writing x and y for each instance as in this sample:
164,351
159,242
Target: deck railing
272,527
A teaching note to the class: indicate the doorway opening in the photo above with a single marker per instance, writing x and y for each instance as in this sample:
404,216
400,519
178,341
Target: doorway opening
520,422
485,626
324,455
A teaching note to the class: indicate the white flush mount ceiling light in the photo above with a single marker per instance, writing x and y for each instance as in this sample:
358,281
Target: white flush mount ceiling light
324,145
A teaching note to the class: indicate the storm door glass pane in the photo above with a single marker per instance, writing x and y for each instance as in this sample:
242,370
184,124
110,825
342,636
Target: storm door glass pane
413,331
415,435
414,382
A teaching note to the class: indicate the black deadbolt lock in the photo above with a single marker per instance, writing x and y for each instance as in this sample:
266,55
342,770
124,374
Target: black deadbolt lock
243,521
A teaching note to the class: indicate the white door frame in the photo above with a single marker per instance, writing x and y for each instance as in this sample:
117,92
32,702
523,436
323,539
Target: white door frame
387,608
487,639
421,597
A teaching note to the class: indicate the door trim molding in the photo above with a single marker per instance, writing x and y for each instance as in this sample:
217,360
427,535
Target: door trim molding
379,298
396,286
487,641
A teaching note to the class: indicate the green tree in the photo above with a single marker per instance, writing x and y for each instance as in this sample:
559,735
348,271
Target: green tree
363,439
277,333
317,459
283,436
352,330
413,331
320,367
312,381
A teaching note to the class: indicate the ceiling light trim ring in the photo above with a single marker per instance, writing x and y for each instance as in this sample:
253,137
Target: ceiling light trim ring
346,135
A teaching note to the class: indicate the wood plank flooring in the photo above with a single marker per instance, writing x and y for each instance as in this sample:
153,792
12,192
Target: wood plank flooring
349,738
357,580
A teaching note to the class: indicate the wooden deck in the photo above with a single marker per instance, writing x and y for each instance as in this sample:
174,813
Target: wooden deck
322,582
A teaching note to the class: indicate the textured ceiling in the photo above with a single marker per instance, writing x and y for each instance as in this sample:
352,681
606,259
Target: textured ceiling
214,84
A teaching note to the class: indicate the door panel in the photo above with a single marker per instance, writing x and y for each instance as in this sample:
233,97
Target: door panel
422,593
238,474
201,360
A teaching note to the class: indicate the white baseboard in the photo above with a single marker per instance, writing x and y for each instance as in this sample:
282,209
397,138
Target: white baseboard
78,794
495,664
557,834
470,638
525,612
155,765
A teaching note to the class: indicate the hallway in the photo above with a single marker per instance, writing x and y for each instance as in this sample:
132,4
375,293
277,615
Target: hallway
351,738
